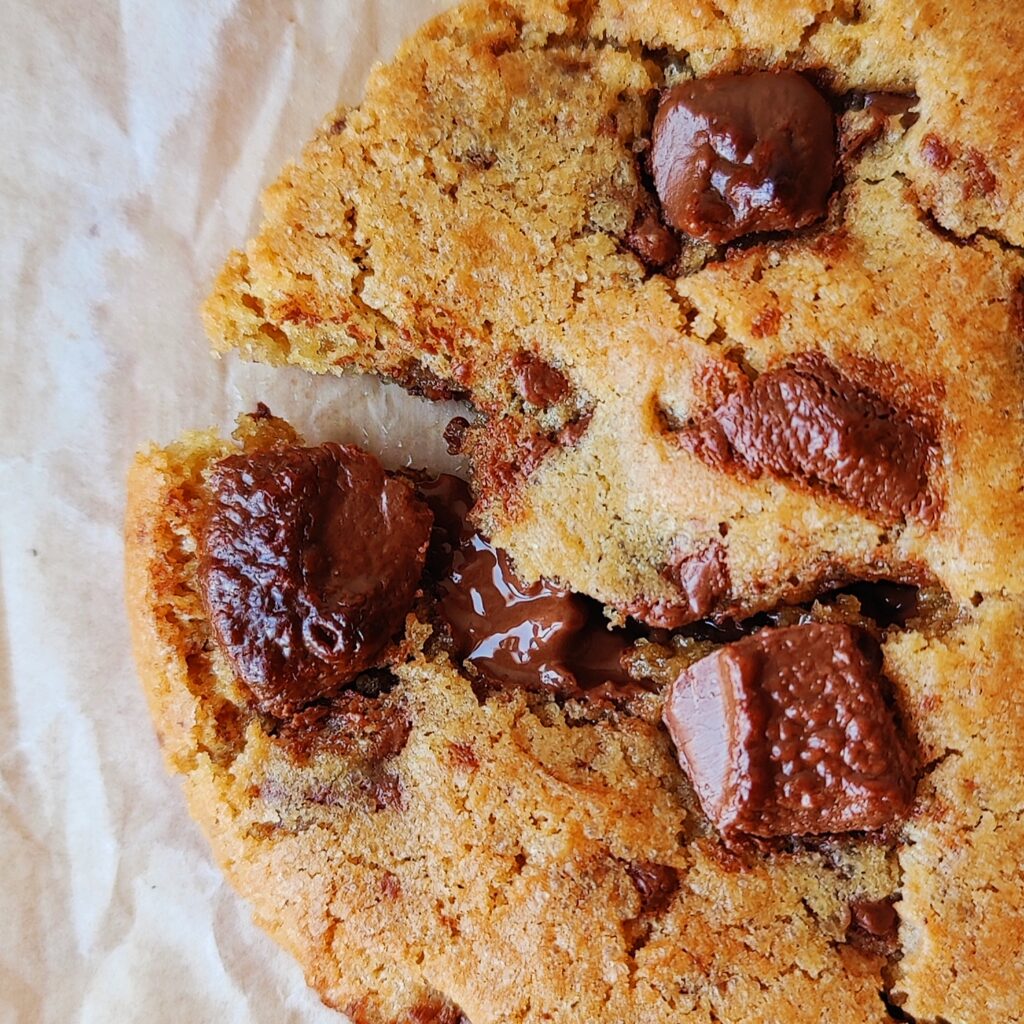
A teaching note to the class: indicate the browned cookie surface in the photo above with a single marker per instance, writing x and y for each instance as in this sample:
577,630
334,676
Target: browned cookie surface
432,848
735,289
737,278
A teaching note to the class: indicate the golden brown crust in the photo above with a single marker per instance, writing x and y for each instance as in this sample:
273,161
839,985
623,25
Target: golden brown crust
477,205
515,830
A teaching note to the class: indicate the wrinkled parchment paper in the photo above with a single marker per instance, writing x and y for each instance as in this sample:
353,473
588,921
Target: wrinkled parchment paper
136,138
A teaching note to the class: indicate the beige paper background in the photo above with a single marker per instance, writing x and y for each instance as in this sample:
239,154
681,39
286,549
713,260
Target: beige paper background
136,137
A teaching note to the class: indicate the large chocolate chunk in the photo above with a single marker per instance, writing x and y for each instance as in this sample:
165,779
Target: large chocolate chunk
537,636
741,153
810,422
309,561
787,733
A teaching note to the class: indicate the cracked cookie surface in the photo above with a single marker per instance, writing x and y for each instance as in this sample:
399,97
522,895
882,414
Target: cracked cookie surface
678,429
407,829
481,212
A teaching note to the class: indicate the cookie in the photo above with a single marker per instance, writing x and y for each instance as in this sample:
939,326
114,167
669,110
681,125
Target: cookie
470,809
734,289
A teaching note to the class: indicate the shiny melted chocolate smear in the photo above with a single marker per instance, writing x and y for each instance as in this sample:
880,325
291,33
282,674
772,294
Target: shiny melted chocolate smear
537,637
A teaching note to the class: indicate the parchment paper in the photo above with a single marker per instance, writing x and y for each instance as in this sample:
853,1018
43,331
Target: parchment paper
136,138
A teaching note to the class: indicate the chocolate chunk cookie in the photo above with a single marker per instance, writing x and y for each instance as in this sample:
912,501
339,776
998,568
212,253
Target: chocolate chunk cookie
734,291
483,817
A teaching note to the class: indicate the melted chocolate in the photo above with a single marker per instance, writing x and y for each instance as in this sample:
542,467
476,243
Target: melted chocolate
538,636
736,154
810,422
650,239
788,733
540,383
703,576
886,603
309,561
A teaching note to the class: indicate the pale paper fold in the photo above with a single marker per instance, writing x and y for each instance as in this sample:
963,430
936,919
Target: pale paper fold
136,139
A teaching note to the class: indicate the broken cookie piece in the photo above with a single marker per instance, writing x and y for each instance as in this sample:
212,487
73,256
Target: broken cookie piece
387,814
735,154
788,733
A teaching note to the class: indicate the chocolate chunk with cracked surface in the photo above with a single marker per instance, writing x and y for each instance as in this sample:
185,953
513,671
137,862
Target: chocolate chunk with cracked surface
788,732
537,636
810,422
309,561
741,153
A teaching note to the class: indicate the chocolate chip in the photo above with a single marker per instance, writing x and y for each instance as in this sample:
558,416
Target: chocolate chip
787,732
656,884
505,451
454,434
869,115
980,181
703,576
420,380
876,917
385,791
390,886
350,723
462,755
874,927
434,1011
309,562
810,422
651,240
539,382
536,636
892,104
572,433
736,154
936,152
